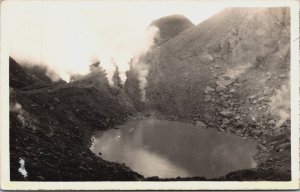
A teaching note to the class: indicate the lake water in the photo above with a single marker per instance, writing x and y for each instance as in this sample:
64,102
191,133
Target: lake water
170,149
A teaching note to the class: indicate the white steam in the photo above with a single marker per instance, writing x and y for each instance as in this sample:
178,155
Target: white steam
17,107
22,169
237,71
131,54
139,64
280,104
65,35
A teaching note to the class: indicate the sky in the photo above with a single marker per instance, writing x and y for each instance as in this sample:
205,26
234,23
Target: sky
68,36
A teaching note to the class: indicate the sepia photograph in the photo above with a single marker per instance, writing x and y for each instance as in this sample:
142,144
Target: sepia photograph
149,95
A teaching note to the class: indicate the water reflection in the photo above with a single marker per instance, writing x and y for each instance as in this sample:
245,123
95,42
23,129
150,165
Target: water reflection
170,149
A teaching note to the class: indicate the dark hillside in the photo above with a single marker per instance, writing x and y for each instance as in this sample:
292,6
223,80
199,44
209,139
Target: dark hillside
50,129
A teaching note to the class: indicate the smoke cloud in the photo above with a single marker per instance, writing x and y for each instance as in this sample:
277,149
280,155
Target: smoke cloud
65,36
280,104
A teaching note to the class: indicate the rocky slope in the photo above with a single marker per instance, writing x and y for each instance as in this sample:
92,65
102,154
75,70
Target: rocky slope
235,42
50,128
230,72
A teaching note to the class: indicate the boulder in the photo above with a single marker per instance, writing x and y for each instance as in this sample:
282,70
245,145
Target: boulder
279,136
237,84
256,132
272,122
221,130
232,90
209,90
225,121
225,105
220,88
227,114
200,124
261,147
268,75
207,98
56,99
224,82
240,79
285,145
206,58
252,97
281,76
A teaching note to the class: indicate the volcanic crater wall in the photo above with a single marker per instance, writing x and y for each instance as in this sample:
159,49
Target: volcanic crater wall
215,65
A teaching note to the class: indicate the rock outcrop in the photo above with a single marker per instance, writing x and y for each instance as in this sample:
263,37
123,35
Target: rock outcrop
171,26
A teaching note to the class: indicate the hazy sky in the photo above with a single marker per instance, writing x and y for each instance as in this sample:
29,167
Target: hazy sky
68,35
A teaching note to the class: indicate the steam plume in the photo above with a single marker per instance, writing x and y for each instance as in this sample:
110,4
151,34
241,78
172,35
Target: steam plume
138,62
22,169
281,106
237,71
64,36
16,107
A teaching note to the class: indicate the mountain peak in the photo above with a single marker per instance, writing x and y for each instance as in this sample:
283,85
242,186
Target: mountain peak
172,25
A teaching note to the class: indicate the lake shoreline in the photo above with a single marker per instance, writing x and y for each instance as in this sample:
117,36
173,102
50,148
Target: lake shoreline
275,168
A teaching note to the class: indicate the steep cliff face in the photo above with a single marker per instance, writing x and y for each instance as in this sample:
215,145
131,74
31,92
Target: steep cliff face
242,49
